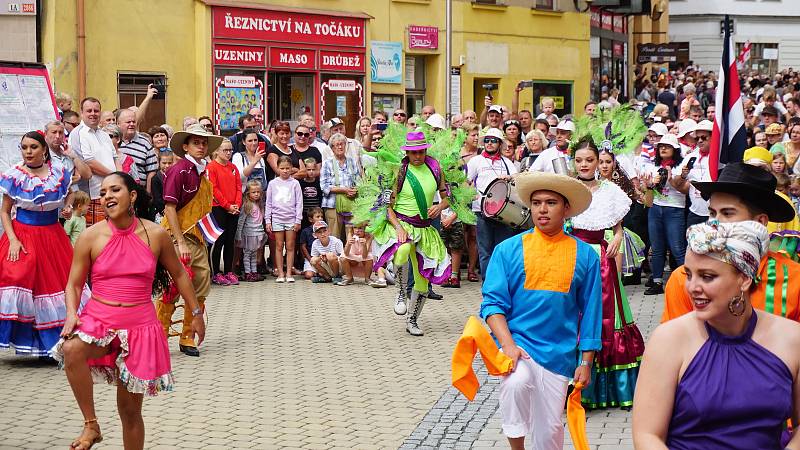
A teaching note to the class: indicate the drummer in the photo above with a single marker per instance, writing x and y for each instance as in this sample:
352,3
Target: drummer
482,170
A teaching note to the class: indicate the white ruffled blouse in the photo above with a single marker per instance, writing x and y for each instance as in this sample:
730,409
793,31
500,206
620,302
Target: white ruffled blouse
609,206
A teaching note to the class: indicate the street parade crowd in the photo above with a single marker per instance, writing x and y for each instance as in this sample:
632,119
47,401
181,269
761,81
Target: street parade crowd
108,230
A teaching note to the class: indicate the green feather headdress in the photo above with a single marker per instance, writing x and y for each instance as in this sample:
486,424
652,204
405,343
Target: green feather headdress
618,130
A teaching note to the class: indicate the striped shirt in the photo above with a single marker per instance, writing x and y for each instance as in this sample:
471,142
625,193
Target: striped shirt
140,149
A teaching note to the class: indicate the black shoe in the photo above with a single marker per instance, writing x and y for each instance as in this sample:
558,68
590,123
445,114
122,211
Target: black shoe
649,283
631,281
434,296
657,288
189,351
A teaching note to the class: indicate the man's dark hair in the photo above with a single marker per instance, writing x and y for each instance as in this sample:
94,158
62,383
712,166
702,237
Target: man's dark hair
380,113
590,102
71,114
242,118
207,118
542,121
90,99
770,110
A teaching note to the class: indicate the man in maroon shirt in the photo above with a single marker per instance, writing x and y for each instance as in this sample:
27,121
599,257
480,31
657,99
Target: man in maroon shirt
187,199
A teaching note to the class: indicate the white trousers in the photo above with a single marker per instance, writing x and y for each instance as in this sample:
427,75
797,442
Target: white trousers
531,403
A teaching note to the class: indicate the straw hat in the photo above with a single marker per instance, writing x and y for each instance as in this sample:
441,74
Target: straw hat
578,195
180,137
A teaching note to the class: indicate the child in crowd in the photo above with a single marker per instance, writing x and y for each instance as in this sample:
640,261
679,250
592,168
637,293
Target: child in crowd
783,183
306,240
452,233
165,161
794,192
779,164
312,192
282,214
548,105
357,255
76,224
250,230
227,200
325,253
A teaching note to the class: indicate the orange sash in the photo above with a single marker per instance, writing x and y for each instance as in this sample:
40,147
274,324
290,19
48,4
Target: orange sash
197,208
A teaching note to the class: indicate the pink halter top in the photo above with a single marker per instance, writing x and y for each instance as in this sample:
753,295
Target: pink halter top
125,268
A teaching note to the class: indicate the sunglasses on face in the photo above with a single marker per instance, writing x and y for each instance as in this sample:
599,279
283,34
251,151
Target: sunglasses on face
491,140
400,114
113,136
303,134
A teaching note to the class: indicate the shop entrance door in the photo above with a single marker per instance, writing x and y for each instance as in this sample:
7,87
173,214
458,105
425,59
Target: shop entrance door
290,94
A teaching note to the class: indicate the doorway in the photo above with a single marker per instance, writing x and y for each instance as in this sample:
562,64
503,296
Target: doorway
290,94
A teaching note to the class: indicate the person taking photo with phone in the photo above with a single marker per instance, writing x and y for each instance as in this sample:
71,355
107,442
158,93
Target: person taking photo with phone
695,168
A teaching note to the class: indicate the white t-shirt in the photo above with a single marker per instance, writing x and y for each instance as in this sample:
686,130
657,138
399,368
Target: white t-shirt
334,246
96,145
699,172
544,163
240,161
481,171
669,196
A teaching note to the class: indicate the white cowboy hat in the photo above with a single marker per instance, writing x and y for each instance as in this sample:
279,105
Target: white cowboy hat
180,137
578,195
436,121
686,126
669,139
658,128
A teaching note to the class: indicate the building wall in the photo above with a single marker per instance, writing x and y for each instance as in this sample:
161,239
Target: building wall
18,35
174,38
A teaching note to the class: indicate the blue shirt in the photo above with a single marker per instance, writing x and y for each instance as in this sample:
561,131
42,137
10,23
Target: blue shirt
549,289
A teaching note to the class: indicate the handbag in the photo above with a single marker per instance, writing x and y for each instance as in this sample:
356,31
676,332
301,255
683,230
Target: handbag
344,204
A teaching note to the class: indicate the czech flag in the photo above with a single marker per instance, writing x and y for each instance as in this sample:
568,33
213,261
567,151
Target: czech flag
210,229
729,138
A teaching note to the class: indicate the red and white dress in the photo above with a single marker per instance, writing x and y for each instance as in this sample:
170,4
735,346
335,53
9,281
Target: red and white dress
32,308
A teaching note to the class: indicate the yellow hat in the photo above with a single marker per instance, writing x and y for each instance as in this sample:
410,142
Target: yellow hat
774,128
757,154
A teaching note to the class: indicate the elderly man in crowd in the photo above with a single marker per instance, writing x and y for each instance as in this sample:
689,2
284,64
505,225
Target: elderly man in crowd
138,147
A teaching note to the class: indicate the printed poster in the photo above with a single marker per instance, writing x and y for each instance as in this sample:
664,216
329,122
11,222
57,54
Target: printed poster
234,102
386,62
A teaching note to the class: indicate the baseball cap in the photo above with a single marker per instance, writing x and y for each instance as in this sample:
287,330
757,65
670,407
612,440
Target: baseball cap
335,121
566,125
658,128
774,129
319,225
496,108
769,110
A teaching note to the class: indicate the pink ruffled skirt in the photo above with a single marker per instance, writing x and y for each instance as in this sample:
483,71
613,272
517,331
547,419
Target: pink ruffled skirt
138,352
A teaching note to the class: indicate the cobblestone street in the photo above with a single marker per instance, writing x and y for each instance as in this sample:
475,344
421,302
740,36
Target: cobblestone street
284,368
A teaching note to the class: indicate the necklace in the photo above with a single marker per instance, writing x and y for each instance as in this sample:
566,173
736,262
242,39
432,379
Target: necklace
34,167
587,180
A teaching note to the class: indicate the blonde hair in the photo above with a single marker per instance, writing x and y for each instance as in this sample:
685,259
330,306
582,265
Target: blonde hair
537,132
216,150
470,127
247,204
80,198
359,136
543,100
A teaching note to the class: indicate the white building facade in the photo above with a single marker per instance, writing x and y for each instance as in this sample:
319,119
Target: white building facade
771,26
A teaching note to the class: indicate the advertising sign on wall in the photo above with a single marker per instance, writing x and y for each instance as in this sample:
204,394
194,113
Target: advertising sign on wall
386,62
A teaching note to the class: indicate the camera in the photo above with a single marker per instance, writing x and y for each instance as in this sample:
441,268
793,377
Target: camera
663,174
489,86
525,84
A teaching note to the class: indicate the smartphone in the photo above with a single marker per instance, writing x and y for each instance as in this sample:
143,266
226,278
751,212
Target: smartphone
262,146
690,164
525,84
381,126
162,90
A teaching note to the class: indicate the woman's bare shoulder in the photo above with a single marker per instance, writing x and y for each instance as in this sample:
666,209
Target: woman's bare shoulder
676,333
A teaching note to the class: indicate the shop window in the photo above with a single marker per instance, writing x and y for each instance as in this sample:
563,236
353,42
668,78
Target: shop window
131,91
548,5
415,84
386,103
234,100
291,94
763,57
560,91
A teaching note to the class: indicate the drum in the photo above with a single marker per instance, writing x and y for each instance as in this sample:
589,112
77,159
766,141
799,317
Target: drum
501,202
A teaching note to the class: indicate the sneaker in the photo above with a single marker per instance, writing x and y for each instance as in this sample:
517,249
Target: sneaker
280,280
344,282
657,288
317,279
379,283
248,277
220,279
337,280
290,279
649,283
234,280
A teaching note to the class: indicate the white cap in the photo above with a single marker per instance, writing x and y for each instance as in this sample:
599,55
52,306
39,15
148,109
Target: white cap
566,125
494,132
335,121
436,121
686,126
705,125
658,128
670,139
496,108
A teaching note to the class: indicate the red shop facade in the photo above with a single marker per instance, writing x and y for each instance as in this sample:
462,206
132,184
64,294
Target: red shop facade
288,62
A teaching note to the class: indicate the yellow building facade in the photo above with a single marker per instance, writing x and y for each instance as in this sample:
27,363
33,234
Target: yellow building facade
330,58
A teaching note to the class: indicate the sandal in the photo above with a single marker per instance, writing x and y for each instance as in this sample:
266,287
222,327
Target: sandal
472,276
83,443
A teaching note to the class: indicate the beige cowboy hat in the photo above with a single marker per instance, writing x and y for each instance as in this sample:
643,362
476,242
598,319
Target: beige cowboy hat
179,138
578,195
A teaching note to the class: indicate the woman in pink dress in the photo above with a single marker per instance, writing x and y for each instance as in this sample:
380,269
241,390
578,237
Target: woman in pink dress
117,337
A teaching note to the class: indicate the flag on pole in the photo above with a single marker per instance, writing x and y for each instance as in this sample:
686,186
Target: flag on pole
210,229
744,56
729,139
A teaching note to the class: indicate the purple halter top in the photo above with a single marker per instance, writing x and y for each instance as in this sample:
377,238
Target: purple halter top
734,394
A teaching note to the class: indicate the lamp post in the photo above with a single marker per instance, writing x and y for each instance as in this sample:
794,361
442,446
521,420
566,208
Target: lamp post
448,95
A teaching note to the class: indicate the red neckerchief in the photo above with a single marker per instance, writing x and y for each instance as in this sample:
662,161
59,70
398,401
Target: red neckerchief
668,163
493,158
563,152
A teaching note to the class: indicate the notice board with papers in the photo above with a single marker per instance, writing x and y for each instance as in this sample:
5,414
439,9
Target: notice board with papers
26,103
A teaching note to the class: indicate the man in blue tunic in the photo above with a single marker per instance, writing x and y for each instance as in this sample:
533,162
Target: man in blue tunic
542,301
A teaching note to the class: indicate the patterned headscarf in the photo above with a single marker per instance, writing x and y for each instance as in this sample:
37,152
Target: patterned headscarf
740,244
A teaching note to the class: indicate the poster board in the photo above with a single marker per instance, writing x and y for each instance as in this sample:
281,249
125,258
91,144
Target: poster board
26,103
234,97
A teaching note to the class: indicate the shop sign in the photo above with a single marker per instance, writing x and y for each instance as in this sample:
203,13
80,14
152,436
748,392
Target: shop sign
341,61
342,85
607,22
595,17
423,38
239,55
619,23
386,62
656,53
283,26
16,7
292,58
238,81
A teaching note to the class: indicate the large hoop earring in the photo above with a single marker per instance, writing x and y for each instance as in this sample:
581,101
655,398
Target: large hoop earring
736,305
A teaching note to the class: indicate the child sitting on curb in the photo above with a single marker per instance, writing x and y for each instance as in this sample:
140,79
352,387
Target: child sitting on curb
357,255
325,254
306,241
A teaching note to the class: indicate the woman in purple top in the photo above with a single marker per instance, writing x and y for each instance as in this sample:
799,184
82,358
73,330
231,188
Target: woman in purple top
724,376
